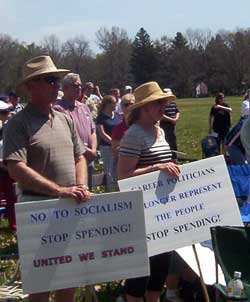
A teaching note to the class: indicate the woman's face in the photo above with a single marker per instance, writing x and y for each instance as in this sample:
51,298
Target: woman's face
221,100
126,104
112,104
156,109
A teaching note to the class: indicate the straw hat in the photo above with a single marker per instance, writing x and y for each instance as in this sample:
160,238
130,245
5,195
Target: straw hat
149,92
39,66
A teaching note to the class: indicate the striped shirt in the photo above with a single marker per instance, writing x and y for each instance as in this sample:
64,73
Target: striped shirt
171,110
139,143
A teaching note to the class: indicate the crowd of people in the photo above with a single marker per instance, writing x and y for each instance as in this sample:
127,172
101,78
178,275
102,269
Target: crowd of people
50,146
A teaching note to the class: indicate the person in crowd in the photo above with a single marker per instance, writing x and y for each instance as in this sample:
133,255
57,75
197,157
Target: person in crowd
7,183
245,106
115,92
81,117
119,130
234,150
220,119
143,149
168,123
209,145
42,149
14,101
92,97
107,118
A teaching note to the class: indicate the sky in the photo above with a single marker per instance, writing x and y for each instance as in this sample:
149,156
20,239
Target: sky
32,20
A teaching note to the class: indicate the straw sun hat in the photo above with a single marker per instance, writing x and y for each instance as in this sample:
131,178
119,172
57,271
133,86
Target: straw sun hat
149,92
37,67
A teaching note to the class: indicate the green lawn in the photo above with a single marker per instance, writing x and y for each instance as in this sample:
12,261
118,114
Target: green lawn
191,128
193,123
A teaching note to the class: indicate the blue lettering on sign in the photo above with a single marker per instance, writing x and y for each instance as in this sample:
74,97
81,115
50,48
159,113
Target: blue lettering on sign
39,217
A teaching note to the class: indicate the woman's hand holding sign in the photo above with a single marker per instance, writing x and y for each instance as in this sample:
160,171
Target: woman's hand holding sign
170,168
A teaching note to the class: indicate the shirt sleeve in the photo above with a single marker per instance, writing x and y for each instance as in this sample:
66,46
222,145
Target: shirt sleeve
131,145
93,127
245,107
79,148
15,141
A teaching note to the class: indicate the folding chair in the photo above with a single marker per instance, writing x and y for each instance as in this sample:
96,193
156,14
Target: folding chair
240,178
231,247
11,290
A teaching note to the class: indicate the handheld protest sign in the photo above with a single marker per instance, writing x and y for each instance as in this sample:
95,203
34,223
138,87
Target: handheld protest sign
180,210
63,244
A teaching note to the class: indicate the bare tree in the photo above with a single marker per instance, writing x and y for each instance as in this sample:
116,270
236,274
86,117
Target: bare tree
76,52
198,38
52,46
114,61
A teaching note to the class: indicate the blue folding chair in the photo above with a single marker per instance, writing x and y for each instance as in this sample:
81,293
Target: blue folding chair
240,178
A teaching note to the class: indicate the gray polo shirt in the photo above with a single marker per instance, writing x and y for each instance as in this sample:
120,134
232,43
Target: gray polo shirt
48,146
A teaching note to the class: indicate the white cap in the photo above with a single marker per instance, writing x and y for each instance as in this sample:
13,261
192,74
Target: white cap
5,106
237,274
167,90
128,87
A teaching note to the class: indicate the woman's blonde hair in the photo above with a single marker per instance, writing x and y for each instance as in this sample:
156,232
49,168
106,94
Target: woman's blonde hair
107,99
127,98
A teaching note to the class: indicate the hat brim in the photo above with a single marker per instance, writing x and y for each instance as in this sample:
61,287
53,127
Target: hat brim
152,98
21,86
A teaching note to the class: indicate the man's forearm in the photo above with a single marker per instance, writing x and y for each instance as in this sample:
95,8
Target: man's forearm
81,171
29,178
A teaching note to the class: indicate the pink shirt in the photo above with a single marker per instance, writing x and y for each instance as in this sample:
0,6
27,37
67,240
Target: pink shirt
119,130
81,117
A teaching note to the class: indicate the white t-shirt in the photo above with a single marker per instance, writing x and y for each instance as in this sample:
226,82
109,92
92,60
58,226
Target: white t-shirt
245,107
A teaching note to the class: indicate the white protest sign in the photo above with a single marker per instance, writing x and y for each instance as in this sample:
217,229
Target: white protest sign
180,211
63,244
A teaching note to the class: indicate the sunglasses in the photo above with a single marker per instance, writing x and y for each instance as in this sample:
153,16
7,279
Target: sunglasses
50,80
127,104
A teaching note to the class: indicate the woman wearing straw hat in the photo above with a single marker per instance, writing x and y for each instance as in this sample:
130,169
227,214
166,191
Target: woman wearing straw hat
144,149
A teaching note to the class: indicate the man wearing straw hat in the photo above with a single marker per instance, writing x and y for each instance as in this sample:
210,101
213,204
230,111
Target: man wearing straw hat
42,149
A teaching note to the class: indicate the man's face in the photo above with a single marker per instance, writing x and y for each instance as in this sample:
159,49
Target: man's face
89,89
116,93
72,91
13,99
44,90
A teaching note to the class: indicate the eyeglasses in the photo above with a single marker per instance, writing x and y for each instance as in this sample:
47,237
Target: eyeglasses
50,80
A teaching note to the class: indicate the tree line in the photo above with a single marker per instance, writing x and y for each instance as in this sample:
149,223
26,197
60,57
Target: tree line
220,60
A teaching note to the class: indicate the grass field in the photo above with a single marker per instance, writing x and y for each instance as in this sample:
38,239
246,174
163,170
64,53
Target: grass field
191,128
193,123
